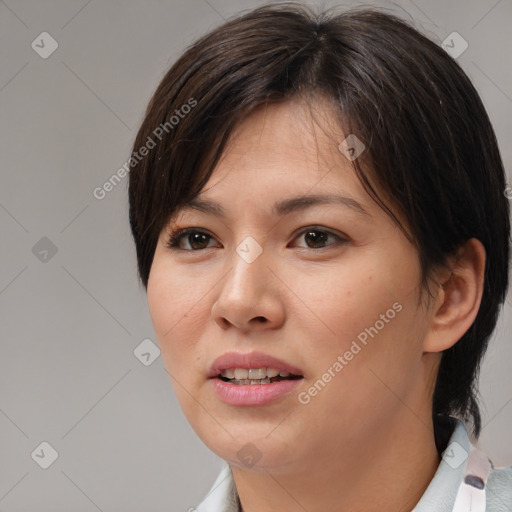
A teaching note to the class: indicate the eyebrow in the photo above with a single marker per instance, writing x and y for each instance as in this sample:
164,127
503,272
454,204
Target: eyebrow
283,207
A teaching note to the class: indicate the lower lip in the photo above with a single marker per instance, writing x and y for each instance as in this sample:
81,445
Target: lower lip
252,394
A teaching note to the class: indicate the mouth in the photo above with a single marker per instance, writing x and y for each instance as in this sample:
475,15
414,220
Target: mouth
254,385
252,368
255,376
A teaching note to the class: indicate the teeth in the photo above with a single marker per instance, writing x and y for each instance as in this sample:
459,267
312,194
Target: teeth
251,381
252,373
241,373
229,374
260,373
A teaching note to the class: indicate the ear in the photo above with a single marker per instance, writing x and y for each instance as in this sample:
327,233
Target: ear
459,296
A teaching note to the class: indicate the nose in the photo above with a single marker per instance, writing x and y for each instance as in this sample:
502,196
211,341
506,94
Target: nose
250,296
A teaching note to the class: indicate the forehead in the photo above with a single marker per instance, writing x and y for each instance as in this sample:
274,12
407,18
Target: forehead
288,159
292,146
294,130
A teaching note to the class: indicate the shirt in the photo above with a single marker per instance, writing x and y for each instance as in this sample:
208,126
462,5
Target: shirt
465,480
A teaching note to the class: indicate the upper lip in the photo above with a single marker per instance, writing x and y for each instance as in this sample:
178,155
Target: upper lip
250,360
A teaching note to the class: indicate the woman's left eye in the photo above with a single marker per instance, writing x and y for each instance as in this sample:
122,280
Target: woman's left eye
315,236
320,236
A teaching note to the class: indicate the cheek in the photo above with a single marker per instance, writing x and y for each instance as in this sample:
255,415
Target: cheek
364,311
175,296
178,321
174,305
340,303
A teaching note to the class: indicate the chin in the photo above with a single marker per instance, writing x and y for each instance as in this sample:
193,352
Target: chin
253,452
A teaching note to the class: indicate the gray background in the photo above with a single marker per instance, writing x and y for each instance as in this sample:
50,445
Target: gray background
70,321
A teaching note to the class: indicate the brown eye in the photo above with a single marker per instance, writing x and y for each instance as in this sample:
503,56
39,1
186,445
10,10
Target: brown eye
197,240
317,238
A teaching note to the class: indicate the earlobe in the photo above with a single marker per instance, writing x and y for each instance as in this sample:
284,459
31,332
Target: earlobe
458,298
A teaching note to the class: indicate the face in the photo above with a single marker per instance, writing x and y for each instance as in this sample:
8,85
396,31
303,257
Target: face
329,288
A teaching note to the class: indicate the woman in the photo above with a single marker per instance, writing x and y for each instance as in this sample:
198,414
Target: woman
321,228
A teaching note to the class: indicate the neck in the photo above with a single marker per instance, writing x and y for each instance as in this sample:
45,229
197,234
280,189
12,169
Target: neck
389,472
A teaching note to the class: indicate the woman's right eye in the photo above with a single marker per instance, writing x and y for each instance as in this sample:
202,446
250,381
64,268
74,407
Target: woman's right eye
193,236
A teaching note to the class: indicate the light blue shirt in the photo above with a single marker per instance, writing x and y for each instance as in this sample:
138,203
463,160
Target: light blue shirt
439,496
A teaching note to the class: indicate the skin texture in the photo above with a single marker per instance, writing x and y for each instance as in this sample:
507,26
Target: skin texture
365,442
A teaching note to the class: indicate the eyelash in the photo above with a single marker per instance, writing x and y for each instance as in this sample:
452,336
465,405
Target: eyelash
176,236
